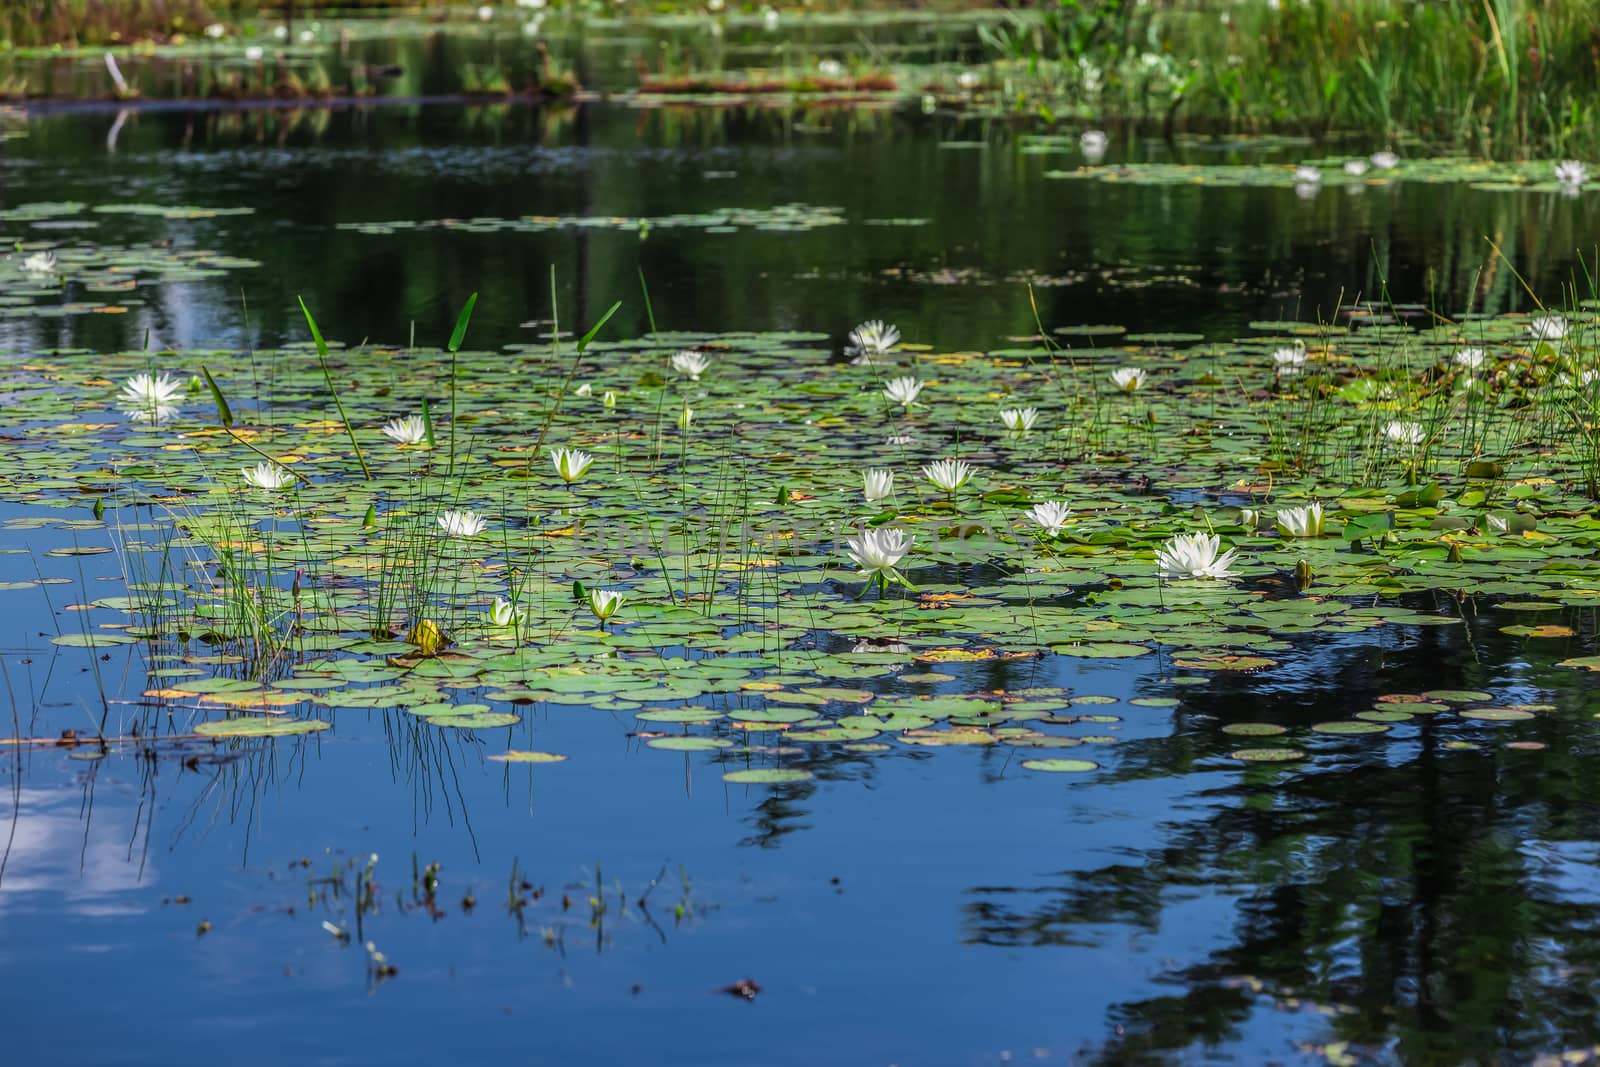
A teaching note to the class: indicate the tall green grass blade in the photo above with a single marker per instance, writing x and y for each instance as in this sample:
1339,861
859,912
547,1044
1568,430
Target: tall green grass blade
456,337
649,312
583,342
327,376
460,332
224,412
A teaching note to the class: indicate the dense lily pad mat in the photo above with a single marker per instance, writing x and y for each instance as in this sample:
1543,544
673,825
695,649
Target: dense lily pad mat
1348,469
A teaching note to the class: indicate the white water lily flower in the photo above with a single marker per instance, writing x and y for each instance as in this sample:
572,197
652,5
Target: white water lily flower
1470,358
1301,522
903,391
1385,160
1498,524
571,463
1249,518
1290,359
899,439
504,613
462,523
1052,515
769,19
1093,144
605,602
877,485
1355,167
485,13
154,414
1571,172
266,476
830,68
40,263
1307,175
1410,434
969,80
1195,556
1547,327
254,53
691,363
1128,379
877,552
609,399
1019,420
410,430
584,390
686,417
216,30
151,391
948,474
873,338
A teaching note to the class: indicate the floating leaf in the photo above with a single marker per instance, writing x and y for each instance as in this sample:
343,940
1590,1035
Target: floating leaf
260,727
767,776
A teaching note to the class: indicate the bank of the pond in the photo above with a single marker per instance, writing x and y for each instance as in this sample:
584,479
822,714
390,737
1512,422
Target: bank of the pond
1509,80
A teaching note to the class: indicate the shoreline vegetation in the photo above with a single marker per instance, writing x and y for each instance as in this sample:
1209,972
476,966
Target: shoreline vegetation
1502,79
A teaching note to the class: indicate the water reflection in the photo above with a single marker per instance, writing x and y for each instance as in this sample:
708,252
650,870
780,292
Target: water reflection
1428,898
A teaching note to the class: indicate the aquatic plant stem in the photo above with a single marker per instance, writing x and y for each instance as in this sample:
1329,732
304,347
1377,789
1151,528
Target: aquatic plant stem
327,376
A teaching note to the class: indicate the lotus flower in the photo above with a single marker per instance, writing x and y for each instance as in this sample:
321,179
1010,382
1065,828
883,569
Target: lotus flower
1385,160
1301,522
1019,420
902,391
1469,358
1547,327
462,523
948,474
410,430
690,363
1571,172
151,391
878,552
1195,556
1409,434
605,602
877,485
1128,379
1051,515
40,263
571,463
873,338
267,476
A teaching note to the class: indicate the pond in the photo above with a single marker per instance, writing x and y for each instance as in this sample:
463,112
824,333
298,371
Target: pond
317,769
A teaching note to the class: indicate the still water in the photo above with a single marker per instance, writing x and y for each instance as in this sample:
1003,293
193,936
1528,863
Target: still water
1419,901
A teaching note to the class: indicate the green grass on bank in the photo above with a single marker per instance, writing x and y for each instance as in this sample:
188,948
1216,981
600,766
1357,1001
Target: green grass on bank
1503,78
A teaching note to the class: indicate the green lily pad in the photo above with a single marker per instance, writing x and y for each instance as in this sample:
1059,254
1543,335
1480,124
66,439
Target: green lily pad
260,727
767,776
